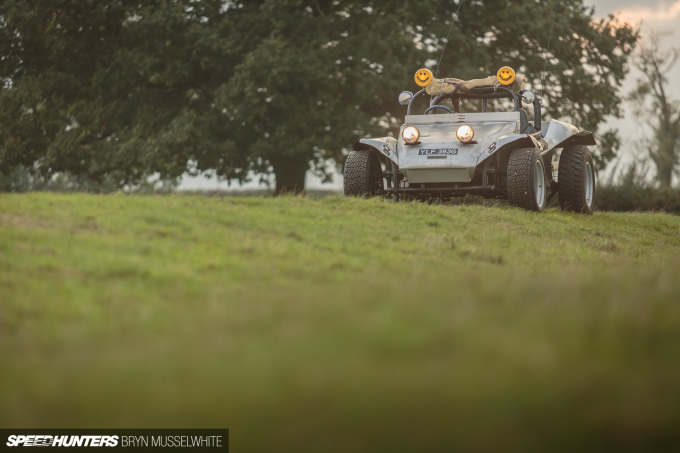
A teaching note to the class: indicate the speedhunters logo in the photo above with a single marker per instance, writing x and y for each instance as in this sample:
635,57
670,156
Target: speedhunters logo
62,441
147,439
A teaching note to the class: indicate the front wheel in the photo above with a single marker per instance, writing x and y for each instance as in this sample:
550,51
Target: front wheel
363,175
576,180
526,180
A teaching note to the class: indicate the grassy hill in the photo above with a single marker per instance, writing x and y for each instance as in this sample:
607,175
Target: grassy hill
341,325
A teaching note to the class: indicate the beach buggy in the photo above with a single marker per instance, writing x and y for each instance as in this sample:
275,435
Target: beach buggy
443,153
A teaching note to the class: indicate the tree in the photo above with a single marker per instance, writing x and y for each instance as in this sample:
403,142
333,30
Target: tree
112,90
126,88
651,100
314,75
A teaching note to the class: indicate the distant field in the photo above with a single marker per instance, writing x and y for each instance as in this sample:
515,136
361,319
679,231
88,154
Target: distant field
341,325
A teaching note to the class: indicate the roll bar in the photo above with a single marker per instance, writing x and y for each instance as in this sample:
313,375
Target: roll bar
483,93
409,109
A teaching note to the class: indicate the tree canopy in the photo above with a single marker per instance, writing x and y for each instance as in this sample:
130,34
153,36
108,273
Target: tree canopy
114,89
123,89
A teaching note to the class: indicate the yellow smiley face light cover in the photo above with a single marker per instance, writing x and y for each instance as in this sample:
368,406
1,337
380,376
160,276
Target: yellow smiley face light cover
505,75
423,77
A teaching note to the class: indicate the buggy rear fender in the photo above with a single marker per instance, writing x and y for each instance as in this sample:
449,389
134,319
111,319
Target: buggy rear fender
582,138
559,134
386,147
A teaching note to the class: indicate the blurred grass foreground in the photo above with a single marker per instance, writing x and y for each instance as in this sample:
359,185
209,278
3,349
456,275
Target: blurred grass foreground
341,325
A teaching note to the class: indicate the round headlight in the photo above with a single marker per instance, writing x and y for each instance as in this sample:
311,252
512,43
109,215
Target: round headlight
410,135
465,133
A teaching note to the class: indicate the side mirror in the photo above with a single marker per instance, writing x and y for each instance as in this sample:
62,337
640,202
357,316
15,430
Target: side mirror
528,96
405,97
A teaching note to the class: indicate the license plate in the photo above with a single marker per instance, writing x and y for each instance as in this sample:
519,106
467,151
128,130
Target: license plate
438,152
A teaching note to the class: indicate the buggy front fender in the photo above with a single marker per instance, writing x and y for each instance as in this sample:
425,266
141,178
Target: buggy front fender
510,142
386,147
558,135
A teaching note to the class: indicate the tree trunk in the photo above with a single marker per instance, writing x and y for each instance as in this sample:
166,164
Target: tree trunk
664,153
290,175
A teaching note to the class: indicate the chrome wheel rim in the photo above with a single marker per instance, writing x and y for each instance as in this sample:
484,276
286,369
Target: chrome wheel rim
589,182
539,183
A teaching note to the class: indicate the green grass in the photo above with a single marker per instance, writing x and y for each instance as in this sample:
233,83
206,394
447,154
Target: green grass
341,325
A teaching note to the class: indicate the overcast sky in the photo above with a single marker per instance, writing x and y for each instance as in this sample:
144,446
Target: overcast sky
633,10
661,15
653,15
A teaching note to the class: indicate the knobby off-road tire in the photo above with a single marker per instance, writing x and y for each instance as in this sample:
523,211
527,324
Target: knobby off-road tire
526,180
576,183
363,175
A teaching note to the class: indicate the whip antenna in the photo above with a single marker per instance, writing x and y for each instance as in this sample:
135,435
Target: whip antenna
447,37
545,54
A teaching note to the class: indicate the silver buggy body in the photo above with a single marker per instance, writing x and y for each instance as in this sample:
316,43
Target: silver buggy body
508,156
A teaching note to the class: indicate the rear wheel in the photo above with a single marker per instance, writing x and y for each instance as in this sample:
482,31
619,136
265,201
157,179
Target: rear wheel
363,175
576,180
526,180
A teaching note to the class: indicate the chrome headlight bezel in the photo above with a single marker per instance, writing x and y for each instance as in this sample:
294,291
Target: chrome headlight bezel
410,135
465,133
